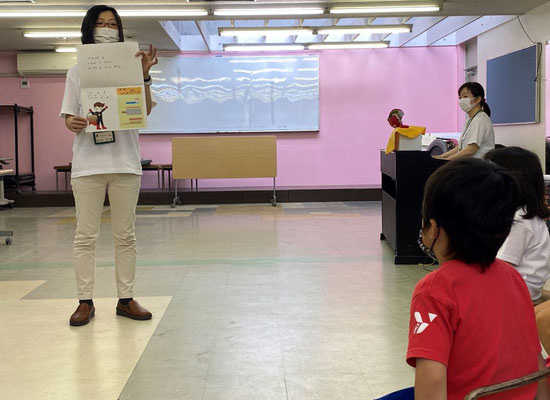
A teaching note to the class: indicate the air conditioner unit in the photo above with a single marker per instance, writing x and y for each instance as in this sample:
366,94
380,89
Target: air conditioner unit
44,63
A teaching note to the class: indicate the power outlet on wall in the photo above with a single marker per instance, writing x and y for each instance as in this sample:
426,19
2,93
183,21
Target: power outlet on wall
25,84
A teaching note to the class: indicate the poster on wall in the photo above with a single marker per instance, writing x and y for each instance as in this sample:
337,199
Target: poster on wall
112,91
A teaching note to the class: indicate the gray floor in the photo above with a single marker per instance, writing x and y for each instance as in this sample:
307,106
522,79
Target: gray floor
301,301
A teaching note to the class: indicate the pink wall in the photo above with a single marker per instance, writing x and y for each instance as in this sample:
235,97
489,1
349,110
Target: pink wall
8,63
460,77
547,87
357,90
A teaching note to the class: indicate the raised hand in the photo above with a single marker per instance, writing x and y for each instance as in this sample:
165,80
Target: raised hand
148,59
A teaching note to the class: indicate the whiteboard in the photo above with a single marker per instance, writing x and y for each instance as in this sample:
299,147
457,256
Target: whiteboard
235,94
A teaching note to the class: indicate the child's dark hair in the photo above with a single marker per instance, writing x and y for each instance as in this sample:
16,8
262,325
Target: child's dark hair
98,104
473,201
88,23
525,166
477,91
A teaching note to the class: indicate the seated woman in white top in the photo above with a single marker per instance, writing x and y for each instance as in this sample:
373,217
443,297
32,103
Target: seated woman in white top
478,136
527,247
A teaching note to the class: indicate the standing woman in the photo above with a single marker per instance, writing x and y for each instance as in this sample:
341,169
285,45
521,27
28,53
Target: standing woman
478,136
115,166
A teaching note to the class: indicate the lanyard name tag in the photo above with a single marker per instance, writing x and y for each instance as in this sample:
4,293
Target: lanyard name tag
104,137
470,120
463,136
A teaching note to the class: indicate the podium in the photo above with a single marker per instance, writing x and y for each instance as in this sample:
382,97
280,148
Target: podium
404,174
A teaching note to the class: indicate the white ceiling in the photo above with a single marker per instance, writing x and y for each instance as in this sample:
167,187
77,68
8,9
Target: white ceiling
457,22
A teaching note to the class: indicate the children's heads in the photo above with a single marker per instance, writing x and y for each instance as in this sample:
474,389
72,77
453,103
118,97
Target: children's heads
473,201
525,167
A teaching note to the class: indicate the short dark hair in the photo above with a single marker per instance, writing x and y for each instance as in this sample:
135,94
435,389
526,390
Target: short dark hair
526,168
473,201
88,23
477,91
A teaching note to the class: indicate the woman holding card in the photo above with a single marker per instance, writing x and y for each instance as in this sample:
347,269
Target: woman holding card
100,163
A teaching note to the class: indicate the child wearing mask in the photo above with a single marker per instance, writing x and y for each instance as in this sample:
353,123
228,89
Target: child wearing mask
472,322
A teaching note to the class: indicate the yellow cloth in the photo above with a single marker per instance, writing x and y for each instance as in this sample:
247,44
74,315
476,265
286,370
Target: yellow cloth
411,132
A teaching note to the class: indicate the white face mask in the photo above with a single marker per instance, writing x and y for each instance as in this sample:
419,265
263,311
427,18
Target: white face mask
465,104
105,35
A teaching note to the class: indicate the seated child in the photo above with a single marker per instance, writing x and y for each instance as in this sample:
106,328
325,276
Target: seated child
527,247
472,320
542,313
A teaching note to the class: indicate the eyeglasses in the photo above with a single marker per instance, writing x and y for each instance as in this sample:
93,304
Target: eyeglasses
110,24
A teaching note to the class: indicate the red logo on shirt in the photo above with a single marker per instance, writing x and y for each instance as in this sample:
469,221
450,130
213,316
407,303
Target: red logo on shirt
420,324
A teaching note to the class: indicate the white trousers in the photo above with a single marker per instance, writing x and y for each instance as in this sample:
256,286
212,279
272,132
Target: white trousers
89,195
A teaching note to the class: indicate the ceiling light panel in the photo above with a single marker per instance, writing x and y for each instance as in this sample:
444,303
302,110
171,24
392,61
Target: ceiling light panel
307,46
251,12
52,34
287,31
164,13
65,49
42,14
263,47
123,13
403,9
359,29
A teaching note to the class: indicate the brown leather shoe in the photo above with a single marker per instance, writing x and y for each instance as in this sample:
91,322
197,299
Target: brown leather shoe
83,314
132,310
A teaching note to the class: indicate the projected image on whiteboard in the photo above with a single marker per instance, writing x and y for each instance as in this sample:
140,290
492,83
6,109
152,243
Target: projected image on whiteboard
235,94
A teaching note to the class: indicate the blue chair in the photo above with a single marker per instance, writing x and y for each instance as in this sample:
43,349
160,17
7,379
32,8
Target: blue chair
403,394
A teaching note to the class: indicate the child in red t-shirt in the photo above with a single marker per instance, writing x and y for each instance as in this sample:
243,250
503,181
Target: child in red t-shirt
472,321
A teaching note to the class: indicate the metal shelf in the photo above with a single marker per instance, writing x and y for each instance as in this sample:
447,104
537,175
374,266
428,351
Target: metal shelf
21,178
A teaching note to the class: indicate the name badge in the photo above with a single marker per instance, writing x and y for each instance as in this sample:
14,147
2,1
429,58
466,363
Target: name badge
104,137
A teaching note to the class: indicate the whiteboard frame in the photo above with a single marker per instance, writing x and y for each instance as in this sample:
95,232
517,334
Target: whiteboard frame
538,58
148,131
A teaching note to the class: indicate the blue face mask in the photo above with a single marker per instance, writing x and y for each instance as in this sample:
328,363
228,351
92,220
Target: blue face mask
428,251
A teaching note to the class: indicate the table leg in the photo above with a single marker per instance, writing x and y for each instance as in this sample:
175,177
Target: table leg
274,199
57,180
158,178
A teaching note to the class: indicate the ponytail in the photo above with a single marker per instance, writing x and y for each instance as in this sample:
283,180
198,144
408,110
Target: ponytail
485,107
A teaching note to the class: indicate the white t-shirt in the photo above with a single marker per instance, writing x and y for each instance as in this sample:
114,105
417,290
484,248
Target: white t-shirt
478,130
528,248
122,156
